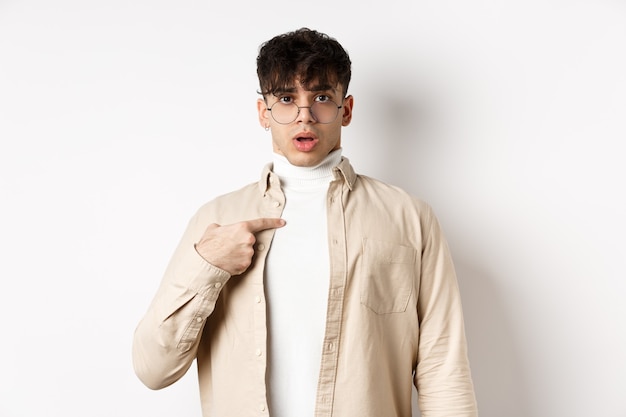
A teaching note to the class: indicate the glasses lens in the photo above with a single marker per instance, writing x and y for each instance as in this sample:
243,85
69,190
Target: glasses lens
284,113
321,111
324,111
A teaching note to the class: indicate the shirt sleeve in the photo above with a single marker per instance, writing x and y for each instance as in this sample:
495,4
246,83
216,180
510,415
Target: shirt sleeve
442,377
166,339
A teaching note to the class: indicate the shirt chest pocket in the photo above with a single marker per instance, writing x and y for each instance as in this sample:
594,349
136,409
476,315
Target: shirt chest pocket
387,281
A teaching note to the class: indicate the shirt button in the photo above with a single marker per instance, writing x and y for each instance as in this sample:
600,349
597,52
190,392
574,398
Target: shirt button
261,246
199,319
262,407
257,299
218,285
276,203
258,352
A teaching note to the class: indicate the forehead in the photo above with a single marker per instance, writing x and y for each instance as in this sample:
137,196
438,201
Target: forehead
314,86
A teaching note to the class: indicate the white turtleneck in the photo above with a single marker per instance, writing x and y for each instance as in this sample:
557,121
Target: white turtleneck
296,284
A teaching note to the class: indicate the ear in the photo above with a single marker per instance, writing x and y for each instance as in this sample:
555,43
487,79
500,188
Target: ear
348,104
264,119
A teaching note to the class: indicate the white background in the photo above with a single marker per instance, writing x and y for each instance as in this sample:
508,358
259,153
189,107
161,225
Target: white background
119,118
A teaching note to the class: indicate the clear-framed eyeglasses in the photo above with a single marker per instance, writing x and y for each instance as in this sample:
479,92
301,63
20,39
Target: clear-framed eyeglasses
323,112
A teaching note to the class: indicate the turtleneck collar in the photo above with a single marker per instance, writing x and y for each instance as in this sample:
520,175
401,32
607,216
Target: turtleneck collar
292,176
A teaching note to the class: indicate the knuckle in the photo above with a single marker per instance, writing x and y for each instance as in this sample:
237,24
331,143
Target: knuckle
250,239
244,265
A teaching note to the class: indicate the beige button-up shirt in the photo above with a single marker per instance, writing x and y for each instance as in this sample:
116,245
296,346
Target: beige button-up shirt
394,313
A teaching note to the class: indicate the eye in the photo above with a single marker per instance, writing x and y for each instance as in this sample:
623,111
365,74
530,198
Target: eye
285,100
322,98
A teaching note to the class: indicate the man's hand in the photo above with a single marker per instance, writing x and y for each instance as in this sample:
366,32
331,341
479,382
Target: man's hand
230,247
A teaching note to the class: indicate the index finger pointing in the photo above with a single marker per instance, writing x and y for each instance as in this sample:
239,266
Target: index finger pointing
264,223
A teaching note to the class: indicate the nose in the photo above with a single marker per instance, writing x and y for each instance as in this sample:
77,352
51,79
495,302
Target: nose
305,116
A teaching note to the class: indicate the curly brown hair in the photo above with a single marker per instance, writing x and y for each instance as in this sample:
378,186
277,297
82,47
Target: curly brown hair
306,55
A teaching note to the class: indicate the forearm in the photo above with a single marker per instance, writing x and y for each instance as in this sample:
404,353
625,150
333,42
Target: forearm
158,358
166,340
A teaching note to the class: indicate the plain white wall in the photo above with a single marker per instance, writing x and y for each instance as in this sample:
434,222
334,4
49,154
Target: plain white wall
118,119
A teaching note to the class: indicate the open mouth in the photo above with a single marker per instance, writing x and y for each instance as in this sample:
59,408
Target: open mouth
304,136
305,142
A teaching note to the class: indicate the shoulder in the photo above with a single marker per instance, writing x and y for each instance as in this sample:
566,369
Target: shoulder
386,212
233,206
246,192
385,193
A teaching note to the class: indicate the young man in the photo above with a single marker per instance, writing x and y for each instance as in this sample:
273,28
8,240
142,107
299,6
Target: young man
315,291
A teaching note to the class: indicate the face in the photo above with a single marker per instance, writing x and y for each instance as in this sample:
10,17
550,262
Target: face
306,142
